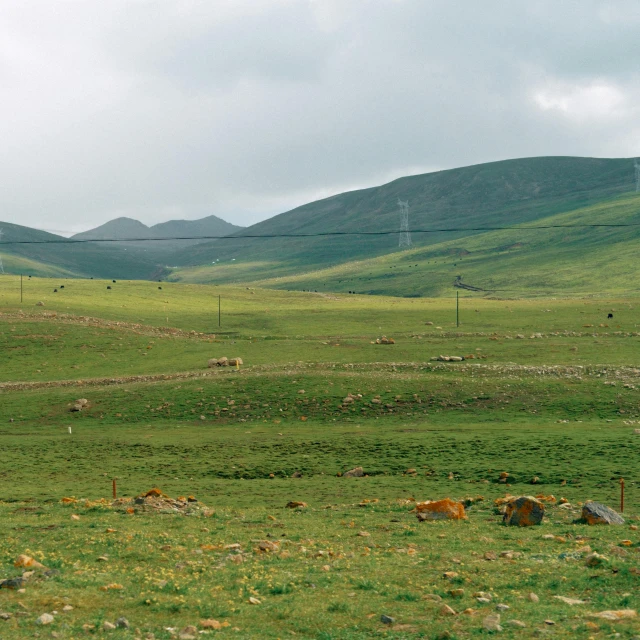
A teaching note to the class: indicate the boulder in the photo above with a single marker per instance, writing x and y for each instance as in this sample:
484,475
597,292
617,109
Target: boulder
235,362
356,472
446,509
524,511
213,362
223,362
597,513
40,303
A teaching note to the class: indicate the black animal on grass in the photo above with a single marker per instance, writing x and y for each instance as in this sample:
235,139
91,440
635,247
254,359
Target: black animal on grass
610,315
108,286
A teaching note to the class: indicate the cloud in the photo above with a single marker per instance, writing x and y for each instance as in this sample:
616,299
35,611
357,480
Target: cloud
244,108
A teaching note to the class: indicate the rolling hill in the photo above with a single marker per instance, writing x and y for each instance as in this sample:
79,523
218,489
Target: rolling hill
494,194
47,257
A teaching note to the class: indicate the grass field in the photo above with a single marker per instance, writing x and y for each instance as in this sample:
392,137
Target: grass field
552,391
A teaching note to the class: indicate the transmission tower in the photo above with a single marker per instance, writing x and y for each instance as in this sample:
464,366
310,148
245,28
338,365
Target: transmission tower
636,164
1,267
405,236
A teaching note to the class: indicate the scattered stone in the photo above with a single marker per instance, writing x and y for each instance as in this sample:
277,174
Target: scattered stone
188,633
253,600
28,562
535,480
122,623
549,622
456,593
621,614
433,597
39,303
5,616
356,472
268,546
387,619
235,362
446,509
515,623
294,504
385,340
213,362
570,601
45,618
490,555
363,534
446,610
67,608
211,624
595,560
492,622
108,626
503,607
532,597
597,513
12,583
296,474
525,511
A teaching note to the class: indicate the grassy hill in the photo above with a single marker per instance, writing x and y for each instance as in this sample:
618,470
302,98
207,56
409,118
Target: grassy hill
498,193
70,259
510,263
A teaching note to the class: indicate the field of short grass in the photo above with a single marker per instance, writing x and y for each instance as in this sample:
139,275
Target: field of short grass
562,407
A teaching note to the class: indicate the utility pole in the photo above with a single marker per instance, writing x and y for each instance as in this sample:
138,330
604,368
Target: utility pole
457,308
20,288
219,313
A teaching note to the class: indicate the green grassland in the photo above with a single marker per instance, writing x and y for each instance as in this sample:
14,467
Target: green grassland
562,407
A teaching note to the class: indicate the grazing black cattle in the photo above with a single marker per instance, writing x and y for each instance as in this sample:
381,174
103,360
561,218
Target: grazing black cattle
108,286
55,291
610,315
61,286
113,281
159,287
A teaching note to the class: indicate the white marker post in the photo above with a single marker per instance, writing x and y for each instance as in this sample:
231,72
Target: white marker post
69,430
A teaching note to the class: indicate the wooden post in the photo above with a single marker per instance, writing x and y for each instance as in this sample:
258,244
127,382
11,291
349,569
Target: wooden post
457,308
115,493
219,317
621,495
20,288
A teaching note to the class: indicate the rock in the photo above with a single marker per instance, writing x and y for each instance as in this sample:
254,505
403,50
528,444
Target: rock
515,623
235,362
268,546
532,597
45,618
122,623
456,593
502,607
621,614
12,583
597,513
108,626
446,610
356,472
295,505
188,633
433,597
570,601
446,509
211,624
525,511
223,362
535,480
595,560
213,362
5,616
387,619
253,600
28,562
67,608
492,622
296,474
39,303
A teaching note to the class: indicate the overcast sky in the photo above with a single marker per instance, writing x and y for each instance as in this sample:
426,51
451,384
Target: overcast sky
247,108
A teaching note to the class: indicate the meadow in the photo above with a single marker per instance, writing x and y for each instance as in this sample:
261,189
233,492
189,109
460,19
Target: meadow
552,391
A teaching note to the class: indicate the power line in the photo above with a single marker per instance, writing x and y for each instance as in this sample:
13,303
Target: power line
332,233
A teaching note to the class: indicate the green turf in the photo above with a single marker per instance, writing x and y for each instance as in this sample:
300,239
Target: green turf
562,407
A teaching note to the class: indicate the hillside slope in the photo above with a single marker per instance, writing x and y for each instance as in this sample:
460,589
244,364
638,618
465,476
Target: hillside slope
497,193
67,258
554,261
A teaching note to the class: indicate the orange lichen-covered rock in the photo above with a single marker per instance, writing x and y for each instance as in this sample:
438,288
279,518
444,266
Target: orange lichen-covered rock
27,562
153,493
524,511
446,509
550,498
